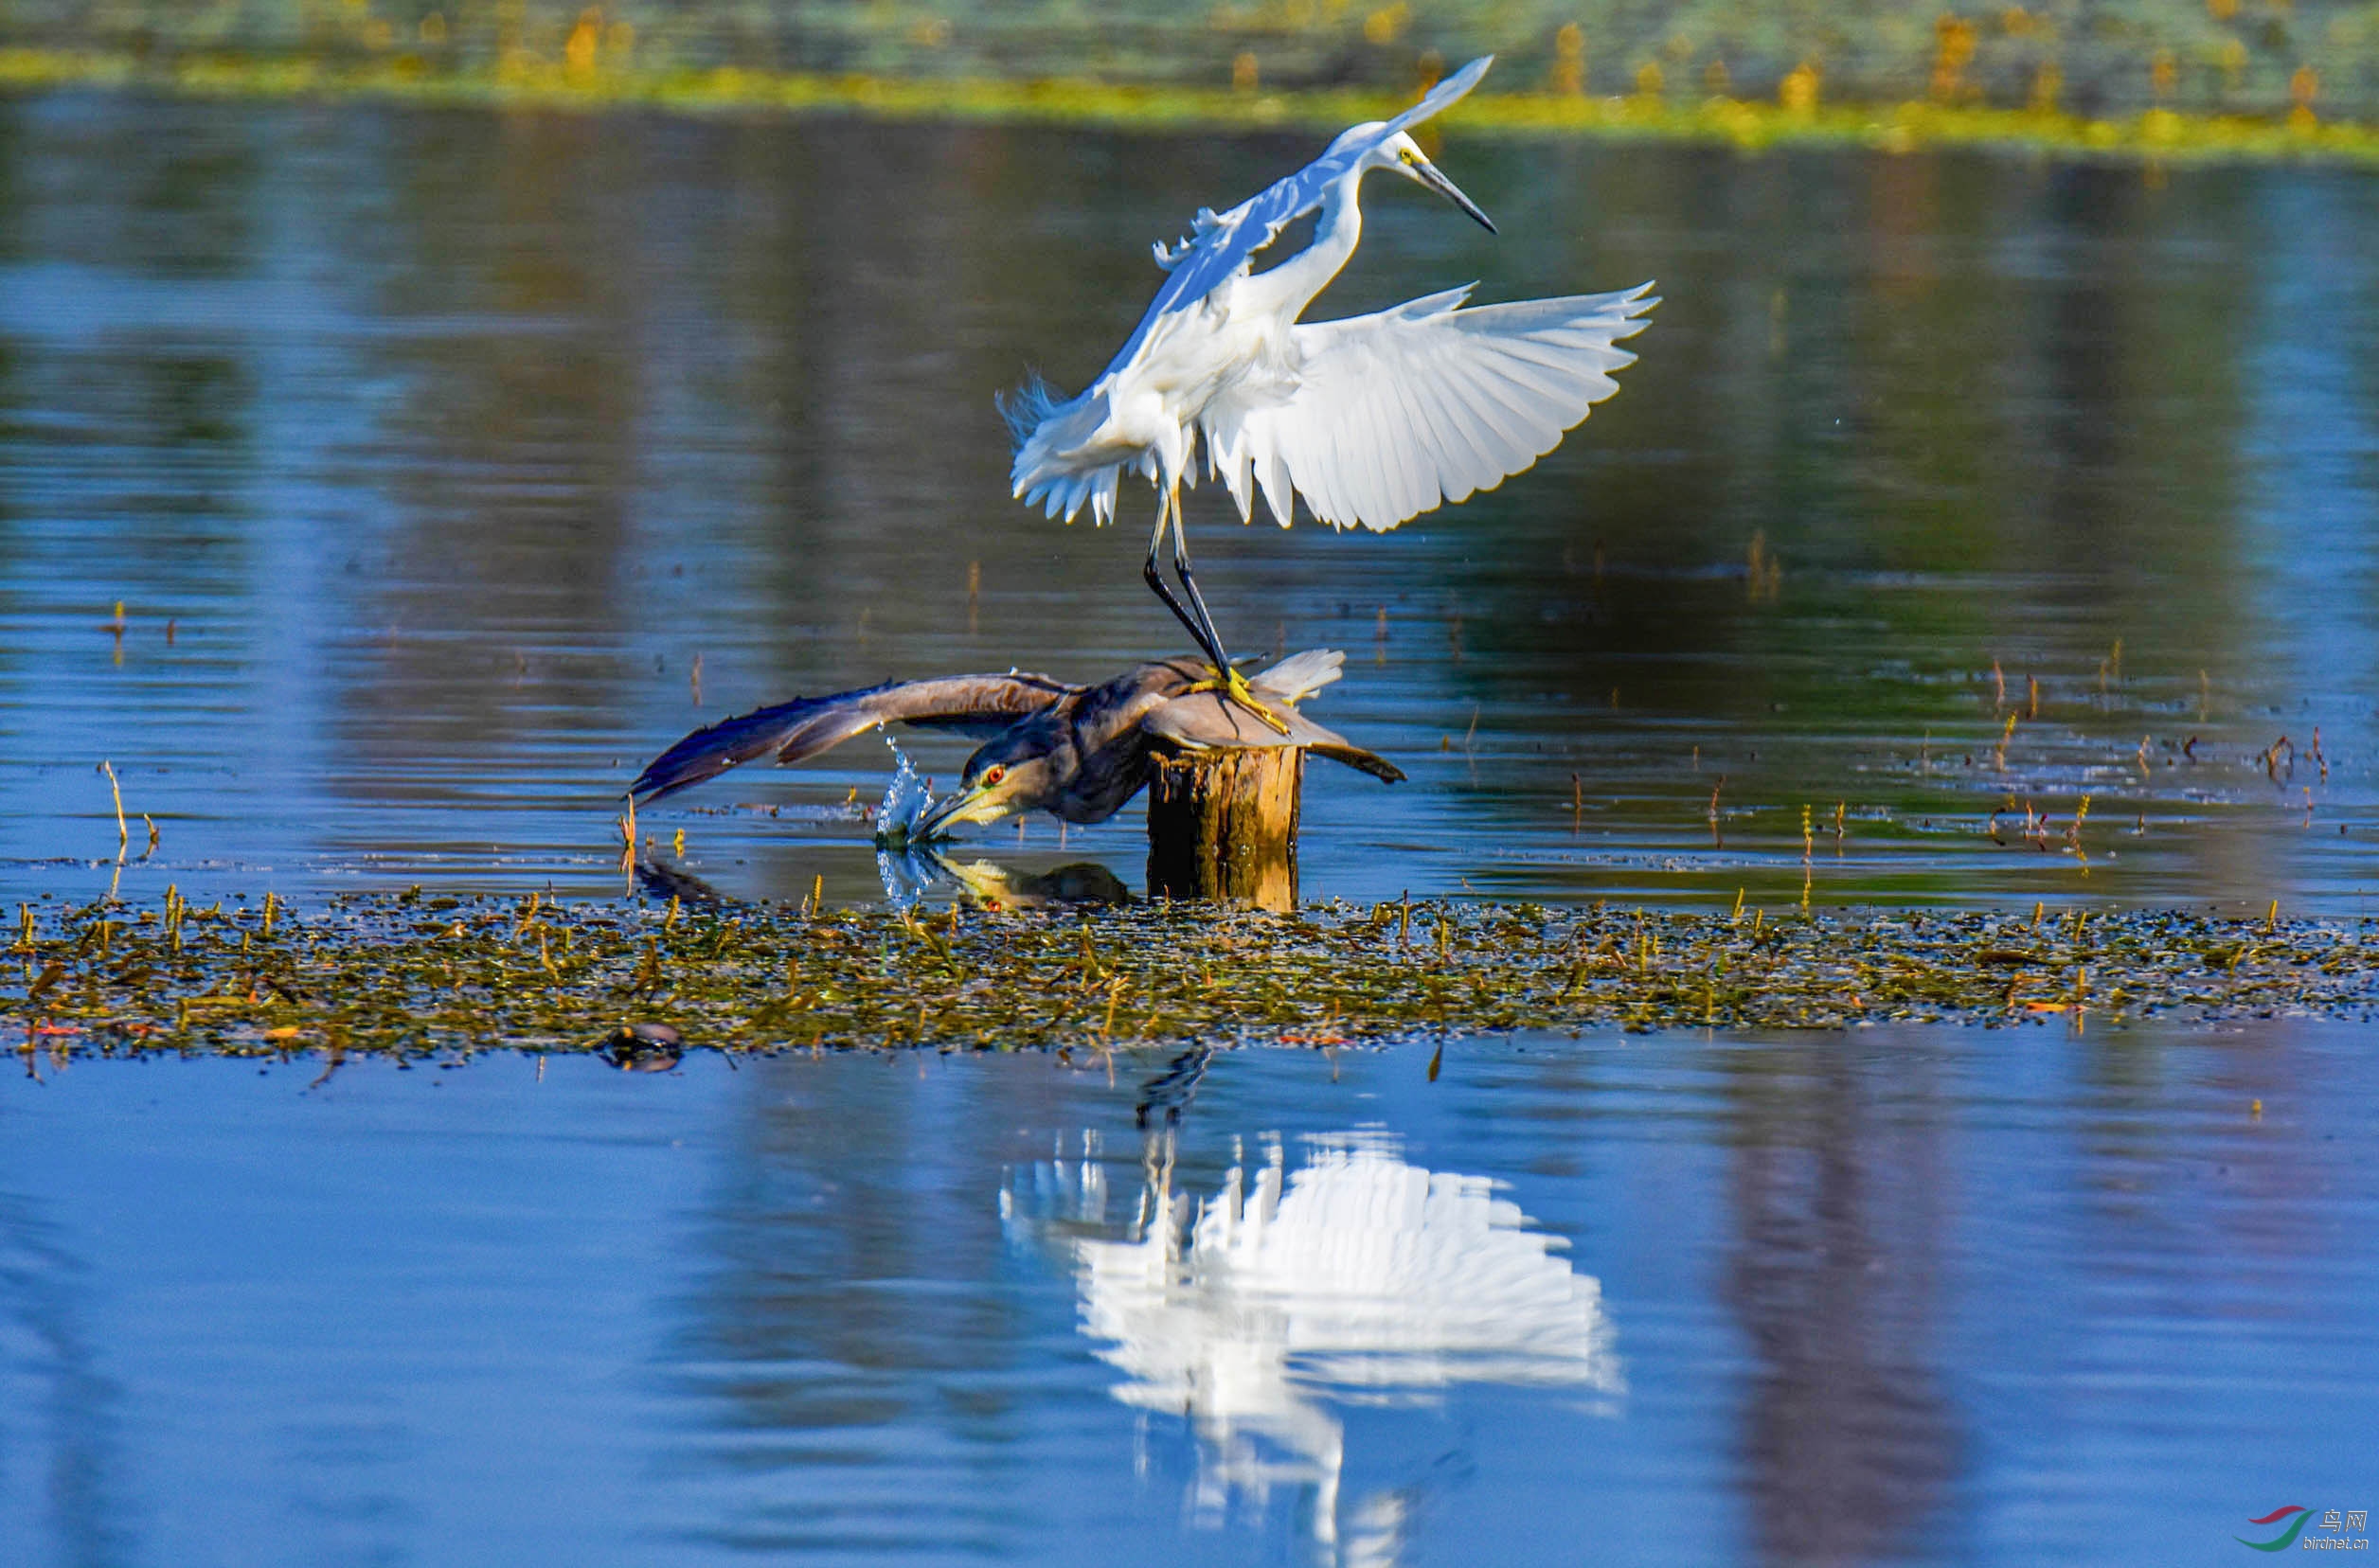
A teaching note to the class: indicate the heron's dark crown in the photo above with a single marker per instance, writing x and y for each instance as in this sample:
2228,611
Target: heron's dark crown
1028,741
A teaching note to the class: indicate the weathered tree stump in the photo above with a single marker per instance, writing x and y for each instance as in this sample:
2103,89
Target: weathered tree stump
1222,824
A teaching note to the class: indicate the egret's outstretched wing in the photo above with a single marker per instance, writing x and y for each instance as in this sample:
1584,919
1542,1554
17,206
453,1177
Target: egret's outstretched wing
1390,414
1222,245
804,728
1205,721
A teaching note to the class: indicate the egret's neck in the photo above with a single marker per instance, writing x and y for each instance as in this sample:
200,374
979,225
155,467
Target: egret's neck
1294,283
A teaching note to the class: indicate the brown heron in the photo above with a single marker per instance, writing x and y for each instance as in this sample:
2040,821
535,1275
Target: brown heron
1077,751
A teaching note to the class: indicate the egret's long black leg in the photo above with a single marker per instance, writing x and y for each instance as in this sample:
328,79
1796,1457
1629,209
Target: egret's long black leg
1208,638
1231,683
1156,580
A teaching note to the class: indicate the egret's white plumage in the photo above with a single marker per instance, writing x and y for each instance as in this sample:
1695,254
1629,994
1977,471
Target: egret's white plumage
1371,420
1383,416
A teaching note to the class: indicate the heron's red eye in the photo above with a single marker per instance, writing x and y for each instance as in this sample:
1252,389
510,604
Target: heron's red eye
991,775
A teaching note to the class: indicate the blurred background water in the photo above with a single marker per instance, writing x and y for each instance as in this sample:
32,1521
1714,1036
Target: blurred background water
2092,57
447,465
2013,1296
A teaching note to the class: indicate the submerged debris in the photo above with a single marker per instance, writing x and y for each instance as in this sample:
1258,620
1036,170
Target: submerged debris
643,1048
413,975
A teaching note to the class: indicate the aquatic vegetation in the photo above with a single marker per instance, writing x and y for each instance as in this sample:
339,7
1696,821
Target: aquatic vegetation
1797,115
417,975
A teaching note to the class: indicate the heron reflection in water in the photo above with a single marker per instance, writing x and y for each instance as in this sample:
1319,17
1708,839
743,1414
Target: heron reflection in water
1356,1275
1077,751
912,869
1370,420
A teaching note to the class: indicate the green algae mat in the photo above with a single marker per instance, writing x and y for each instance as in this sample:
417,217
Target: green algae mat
415,975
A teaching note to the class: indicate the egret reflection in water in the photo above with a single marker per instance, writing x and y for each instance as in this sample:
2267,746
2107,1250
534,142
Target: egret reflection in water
1358,1275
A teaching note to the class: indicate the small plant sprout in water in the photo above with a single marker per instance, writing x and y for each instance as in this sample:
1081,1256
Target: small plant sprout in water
1763,573
123,833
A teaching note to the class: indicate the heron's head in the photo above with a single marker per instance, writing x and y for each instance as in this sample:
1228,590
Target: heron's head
1004,776
1402,154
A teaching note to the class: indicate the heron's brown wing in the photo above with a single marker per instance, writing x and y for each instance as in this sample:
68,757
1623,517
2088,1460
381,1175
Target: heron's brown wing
1203,721
802,729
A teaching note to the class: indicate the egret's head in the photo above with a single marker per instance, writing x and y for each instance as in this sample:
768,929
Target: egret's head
1004,776
1402,154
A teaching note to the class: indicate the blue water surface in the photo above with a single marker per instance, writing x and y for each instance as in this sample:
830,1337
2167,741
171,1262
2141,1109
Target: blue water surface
1902,1296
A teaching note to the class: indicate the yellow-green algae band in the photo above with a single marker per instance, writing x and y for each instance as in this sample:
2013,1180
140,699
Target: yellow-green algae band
413,975
2159,135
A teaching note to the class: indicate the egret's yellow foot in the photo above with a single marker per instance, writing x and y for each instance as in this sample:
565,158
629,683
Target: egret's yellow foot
1234,688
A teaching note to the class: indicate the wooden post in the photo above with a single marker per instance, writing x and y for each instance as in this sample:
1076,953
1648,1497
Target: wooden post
1222,824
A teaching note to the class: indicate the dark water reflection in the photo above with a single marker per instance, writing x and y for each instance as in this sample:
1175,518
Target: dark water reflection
428,451
1851,1440
2013,1296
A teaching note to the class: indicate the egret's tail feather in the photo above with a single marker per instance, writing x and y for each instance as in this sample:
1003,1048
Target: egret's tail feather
1066,494
1053,469
1023,407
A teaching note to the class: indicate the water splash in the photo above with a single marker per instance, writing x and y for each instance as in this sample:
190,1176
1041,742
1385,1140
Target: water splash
909,872
906,799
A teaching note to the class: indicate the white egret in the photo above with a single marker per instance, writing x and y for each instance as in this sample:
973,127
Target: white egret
1370,420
